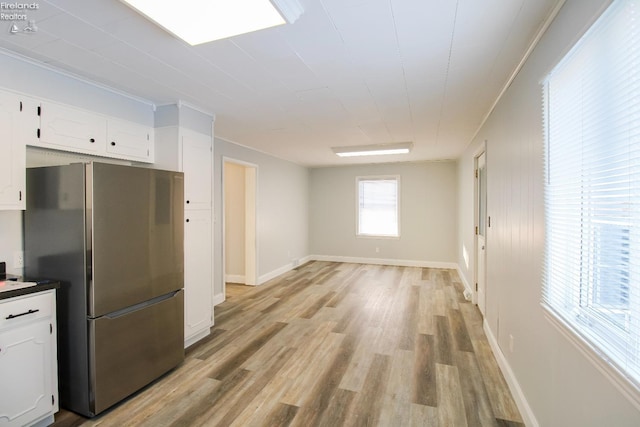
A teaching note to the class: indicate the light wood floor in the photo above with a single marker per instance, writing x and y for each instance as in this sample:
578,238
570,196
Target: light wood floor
333,344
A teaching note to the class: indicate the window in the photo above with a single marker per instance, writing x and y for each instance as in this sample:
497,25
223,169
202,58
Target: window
592,193
378,206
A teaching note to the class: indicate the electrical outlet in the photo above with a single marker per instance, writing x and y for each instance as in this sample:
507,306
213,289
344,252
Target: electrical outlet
18,259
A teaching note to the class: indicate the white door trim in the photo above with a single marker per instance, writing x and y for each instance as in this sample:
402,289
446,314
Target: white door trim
479,296
251,219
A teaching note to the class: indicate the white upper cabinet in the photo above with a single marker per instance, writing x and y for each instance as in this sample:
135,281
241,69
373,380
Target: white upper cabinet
129,140
71,129
67,128
12,151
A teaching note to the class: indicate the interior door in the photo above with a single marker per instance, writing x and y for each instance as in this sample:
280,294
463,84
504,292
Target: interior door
481,230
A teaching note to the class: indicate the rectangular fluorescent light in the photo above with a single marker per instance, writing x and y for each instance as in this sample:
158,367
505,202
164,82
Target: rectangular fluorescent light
202,21
373,150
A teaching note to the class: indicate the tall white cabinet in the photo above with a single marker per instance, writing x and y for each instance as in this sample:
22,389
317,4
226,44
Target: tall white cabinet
191,152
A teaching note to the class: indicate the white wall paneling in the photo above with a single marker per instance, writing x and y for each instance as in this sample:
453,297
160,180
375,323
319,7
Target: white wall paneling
554,382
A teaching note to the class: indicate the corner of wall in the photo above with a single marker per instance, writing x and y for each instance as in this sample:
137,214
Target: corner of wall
218,299
465,281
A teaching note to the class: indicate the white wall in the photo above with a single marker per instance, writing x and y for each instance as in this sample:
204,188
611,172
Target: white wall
428,226
282,211
11,240
561,387
234,226
30,78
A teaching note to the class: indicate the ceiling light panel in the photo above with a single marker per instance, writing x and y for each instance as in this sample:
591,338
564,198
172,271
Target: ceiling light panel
202,21
373,150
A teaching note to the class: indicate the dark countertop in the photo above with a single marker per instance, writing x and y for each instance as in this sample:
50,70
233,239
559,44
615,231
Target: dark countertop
41,285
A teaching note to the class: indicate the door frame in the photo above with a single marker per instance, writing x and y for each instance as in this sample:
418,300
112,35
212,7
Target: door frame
482,150
251,220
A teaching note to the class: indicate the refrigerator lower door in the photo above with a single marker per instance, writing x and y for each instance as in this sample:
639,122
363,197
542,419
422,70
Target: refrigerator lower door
130,350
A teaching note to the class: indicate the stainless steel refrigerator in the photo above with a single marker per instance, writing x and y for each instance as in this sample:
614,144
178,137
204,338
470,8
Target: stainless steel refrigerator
113,235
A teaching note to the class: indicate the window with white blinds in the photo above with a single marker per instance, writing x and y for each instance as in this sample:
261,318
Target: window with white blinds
592,191
378,206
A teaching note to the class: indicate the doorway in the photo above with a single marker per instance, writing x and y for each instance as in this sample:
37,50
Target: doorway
239,251
481,229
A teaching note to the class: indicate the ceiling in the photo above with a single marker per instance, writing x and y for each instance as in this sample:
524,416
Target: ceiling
347,72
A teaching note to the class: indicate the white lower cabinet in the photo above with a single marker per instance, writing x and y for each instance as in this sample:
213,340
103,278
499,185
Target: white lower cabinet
28,361
198,259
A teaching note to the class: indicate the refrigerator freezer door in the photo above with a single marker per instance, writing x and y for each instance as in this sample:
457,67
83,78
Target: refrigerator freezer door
137,242
129,351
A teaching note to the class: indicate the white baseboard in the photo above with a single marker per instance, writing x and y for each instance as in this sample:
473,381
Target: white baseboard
284,269
218,299
382,261
466,285
197,337
518,395
235,278
275,273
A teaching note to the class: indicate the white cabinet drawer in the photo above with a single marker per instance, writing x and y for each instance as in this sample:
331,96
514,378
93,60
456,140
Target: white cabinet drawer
20,310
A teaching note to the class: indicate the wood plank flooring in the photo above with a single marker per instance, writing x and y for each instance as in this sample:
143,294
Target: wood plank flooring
332,344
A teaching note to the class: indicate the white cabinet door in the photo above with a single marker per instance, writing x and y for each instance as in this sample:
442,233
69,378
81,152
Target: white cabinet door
12,152
129,140
197,158
198,261
71,129
28,389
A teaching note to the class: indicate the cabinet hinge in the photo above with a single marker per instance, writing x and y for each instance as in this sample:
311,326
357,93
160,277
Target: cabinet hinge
476,287
476,173
20,105
20,195
53,400
50,328
39,110
38,132
476,230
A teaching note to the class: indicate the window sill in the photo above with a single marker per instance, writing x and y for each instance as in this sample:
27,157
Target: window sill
617,378
373,236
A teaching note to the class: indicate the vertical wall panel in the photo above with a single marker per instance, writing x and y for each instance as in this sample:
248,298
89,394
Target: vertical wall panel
559,384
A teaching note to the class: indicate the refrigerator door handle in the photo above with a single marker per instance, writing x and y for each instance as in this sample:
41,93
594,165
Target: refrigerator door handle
140,306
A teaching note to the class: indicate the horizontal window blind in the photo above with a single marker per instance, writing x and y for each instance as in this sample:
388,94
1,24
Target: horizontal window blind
378,206
592,190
